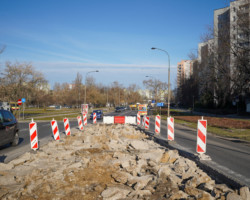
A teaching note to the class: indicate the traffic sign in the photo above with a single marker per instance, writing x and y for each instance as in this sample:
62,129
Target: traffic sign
23,100
160,104
19,102
85,108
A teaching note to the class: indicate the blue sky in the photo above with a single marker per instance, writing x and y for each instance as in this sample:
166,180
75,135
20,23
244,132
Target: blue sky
63,37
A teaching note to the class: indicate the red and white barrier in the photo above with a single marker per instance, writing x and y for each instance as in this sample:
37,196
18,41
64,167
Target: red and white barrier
201,136
146,122
119,120
79,119
66,126
94,118
108,119
33,135
55,130
84,119
138,119
157,124
130,120
170,128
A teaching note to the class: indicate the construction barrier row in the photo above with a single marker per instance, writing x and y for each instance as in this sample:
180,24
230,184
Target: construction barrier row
144,122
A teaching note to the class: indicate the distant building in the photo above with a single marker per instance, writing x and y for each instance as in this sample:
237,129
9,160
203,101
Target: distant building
184,71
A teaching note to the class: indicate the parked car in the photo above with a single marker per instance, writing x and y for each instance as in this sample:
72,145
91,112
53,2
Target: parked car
99,114
9,132
118,109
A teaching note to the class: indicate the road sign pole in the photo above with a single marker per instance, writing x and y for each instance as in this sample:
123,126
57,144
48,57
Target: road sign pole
23,111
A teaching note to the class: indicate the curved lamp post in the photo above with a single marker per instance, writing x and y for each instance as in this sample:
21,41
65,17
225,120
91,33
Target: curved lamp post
85,83
153,48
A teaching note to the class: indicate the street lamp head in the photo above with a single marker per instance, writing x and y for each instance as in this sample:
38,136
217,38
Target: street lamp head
153,48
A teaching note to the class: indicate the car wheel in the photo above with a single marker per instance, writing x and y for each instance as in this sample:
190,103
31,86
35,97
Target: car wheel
15,140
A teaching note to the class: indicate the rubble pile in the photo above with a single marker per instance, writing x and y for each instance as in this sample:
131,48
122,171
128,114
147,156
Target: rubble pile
108,162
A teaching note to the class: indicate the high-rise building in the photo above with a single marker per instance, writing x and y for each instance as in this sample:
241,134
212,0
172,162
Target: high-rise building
229,49
184,71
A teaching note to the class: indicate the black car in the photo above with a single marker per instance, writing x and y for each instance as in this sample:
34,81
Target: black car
118,109
9,132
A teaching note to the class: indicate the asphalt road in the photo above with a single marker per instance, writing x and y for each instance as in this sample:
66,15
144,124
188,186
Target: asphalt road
231,157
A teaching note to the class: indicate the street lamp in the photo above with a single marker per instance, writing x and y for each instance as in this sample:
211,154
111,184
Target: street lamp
153,48
86,82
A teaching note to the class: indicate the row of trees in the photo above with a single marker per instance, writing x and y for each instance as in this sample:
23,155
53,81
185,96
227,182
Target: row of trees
221,75
21,80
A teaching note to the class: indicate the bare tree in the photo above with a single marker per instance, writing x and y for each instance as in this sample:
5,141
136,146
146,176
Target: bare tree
156,87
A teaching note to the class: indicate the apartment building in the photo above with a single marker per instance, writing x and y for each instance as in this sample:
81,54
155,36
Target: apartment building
228,50
184,71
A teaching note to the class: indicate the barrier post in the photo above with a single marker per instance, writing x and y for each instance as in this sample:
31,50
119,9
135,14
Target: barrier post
79,119
94,118
147,123
66,126
55,130
85,119
170,128
201,136
138,119
157,124
33,135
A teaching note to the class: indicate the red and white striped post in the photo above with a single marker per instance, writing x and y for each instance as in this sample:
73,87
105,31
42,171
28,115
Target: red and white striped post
201,136
147,122
66,126
170,128
33,135
55,130
84,119
138,119
157,124
79,119
94,118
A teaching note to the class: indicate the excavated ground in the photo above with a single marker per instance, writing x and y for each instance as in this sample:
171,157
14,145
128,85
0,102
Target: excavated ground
108,162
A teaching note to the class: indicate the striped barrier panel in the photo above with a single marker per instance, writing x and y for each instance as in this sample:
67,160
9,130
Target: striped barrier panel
33,135
201,136
138,119
66,126
79,119
147,122
55,130
85,122
157,124
170,128
94,118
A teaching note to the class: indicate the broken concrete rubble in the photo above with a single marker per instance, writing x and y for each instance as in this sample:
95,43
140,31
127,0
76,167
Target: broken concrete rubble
108,162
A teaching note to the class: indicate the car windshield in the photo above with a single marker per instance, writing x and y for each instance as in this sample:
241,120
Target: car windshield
97,111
